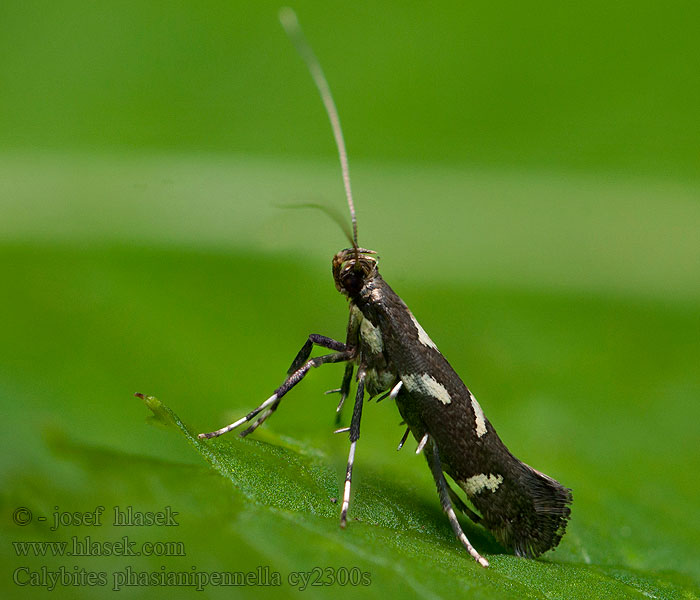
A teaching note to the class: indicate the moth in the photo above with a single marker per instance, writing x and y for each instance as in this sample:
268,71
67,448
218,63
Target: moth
392,356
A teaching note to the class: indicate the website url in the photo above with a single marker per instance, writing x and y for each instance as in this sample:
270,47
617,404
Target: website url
86,546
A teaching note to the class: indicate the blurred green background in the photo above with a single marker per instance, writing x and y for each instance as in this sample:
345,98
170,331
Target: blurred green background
530,175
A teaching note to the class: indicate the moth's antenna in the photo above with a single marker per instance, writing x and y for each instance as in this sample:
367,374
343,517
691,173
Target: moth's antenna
289,21
331,212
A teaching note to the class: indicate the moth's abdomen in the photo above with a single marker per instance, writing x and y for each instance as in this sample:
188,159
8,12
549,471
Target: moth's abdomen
524,509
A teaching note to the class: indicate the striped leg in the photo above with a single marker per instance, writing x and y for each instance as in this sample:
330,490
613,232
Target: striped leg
343,390
320,340
457,501
444,493
273,401
261,419
354,436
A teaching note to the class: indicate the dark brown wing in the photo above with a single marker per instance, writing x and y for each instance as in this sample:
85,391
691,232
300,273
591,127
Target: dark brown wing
524,509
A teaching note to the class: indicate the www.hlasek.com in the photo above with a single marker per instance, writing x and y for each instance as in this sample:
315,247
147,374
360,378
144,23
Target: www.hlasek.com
263,576
87,546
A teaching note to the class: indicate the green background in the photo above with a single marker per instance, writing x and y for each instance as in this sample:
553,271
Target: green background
528,172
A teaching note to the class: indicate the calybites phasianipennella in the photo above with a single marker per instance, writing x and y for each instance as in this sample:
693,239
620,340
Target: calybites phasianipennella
390,355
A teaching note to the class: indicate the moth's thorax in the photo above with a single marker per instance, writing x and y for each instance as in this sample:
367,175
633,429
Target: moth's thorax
353,270
380,373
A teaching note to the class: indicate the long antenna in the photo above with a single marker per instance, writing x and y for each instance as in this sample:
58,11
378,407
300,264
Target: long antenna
289,21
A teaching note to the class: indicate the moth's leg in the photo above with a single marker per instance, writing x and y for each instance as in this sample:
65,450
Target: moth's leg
326,342
422,443
344,390
351,341
272,402
261,419
404,437
354,436
392,393
444,493
320,340
457,501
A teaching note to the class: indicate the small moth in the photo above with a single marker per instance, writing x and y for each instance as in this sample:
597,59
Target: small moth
525,510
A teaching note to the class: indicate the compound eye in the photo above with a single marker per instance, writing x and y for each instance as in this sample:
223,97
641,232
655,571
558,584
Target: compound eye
353,281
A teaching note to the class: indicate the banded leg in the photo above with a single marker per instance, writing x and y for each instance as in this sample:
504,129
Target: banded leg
444,493
271,403
320,340
404,438
344,390
457,501
354,436
261,419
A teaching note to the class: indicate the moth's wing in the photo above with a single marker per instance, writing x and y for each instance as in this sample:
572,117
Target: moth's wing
524,509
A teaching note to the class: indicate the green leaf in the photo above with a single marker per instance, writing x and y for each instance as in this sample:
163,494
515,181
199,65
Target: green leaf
582,350
388,530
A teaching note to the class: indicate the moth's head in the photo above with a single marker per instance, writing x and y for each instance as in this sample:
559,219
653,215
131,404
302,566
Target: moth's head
352,268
